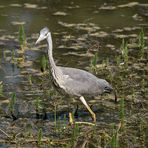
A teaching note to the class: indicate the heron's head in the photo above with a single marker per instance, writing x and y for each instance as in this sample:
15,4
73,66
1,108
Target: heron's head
43,35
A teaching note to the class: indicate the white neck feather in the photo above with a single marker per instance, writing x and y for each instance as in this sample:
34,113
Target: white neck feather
56,72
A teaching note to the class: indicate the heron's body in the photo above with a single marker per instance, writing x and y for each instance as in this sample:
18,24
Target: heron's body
73,81
82,83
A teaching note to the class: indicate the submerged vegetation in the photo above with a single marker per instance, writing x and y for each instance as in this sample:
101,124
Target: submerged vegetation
127,121
122,112
93,63
12,106
141,42
114,138
33,114
124,50
43,64
1,88
12,103
40,135
22,37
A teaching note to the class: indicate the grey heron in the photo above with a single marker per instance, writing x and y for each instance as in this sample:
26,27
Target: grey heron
73,81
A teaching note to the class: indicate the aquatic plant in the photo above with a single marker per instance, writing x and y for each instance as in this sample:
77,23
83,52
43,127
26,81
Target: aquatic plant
57,121
39,139
106,62
64,121
4,54
141,42
104,138
122,112
43,63
124,50
114,140
22,37
38,106
55,116
29,130
75,134
144,89
94,62
142,131
12,55
1,88
118,60
37,103
12,103
133,94
30,79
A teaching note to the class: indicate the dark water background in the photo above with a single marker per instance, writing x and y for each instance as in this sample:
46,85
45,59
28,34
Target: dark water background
79,28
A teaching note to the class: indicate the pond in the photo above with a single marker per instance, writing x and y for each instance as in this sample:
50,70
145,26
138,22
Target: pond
107,38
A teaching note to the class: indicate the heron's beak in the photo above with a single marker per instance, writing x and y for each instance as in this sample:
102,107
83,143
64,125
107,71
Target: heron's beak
38,40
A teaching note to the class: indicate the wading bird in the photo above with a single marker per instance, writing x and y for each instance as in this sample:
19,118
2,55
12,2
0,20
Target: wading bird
73,81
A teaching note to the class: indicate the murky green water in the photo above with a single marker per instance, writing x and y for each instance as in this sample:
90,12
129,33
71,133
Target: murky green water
79,29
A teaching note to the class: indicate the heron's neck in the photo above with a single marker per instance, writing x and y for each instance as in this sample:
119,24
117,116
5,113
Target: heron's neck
56,72
50,55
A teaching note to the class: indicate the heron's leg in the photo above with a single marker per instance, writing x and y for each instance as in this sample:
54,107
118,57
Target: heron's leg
76,111
88,108
71,119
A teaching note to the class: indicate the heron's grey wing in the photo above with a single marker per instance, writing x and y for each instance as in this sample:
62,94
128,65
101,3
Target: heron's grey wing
77,74
80,82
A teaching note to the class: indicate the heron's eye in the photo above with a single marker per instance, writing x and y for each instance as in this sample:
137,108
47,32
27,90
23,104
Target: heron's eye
106,88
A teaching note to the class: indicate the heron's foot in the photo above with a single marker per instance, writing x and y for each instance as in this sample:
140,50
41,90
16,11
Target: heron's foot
88,108
71,120
85,123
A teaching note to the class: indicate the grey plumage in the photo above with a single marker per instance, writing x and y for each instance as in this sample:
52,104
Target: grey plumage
73,81
82,83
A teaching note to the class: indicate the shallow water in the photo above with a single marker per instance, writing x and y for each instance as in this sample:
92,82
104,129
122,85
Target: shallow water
79,30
